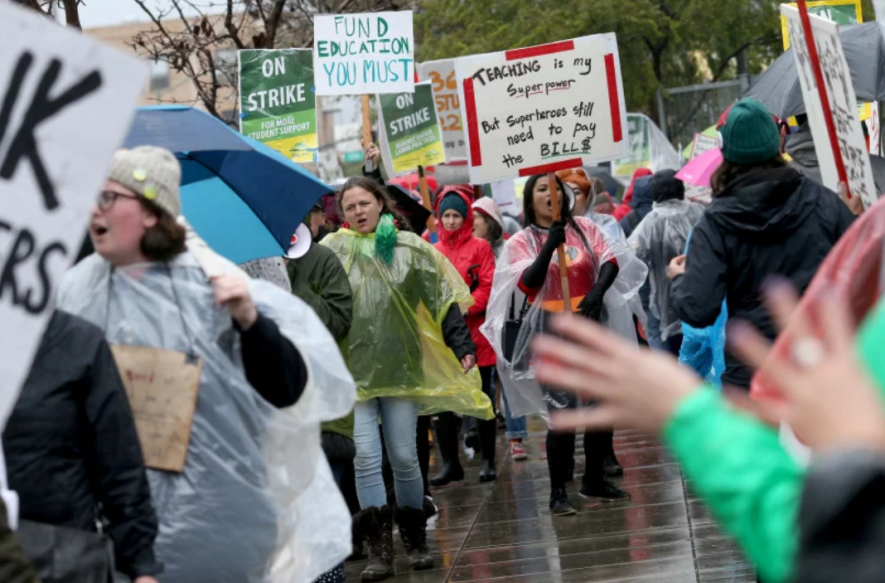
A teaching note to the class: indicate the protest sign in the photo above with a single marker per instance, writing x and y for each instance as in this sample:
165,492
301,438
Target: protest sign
277,101
410,131
649,148
441,75
504,195
541,109
356,54
702,143
55,85
838,11
844,136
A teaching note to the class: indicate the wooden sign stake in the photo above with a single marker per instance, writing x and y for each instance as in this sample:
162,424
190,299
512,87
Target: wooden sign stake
425,199
367,131
560,251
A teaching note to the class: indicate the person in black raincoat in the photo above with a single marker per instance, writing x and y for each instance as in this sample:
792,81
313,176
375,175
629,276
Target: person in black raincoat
70,445
765,219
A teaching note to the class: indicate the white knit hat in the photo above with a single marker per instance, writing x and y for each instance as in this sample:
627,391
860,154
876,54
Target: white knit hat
152,173
488,208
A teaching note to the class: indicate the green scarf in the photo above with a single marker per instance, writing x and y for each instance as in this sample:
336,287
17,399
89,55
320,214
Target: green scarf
385,239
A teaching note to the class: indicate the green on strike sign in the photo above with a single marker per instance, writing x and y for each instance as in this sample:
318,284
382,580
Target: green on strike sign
277,101
411,129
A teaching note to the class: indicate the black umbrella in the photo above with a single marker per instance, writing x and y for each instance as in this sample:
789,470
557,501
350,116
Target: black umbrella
778,87
410,208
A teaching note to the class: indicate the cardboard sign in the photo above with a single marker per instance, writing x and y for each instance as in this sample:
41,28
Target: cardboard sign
544,108
277,101
66,102
444,83
640,148
355,54
843,106
411,135
162,387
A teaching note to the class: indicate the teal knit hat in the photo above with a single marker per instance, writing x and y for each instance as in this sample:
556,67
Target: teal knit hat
749,135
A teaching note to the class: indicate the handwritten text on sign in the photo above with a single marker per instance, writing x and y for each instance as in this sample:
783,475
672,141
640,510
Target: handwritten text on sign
54,85
364,53
544,108
843,105
441,75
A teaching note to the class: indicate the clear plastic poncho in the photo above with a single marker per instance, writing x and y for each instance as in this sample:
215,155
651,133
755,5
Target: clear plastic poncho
524,394
395,347
256,501
659,238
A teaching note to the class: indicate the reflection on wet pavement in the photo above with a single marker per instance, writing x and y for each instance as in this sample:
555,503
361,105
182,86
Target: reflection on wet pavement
505,531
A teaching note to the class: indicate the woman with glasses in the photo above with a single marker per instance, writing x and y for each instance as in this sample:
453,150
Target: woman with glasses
251,352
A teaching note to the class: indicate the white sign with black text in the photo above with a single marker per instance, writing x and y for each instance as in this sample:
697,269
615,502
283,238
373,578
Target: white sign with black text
544,108
843,105
66,102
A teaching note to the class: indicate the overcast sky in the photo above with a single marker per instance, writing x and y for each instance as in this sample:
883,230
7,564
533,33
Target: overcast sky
110,12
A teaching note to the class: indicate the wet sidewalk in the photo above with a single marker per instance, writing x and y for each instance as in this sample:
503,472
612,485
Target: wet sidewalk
504,531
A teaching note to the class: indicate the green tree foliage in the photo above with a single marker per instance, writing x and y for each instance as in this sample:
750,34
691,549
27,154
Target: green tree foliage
662,43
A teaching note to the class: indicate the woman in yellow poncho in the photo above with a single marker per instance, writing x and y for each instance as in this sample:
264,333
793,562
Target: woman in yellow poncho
410,354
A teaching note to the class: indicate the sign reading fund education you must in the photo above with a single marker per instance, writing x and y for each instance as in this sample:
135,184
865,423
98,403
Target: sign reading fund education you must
356,54
544,108
277,101
411,129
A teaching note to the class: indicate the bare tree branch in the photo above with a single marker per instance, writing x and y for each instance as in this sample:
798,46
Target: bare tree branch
273,22
229,25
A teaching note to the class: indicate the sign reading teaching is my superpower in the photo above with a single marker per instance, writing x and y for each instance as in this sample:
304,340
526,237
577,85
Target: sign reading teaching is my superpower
65,105
354,54
544,108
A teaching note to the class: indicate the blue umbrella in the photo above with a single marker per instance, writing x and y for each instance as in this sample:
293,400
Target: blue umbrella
242,197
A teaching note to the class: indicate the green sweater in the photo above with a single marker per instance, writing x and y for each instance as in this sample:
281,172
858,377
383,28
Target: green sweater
319,279
738,466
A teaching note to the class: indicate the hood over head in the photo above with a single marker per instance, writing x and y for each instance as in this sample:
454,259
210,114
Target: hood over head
465,192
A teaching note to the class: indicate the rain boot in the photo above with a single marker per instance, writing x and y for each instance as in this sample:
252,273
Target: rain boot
487,433
447,437
376,525
413,531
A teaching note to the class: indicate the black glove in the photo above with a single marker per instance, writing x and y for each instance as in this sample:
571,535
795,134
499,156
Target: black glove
473,275
555,237
591,306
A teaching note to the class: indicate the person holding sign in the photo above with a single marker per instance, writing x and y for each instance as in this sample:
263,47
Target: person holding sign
475,261
410,353
190,332
601,274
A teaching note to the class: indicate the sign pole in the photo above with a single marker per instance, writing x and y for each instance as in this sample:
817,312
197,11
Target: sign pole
563,268
822,91
425,199
367,131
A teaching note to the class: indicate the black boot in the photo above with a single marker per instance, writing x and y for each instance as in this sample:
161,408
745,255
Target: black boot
377,526
487,433
447,438
610,466
413,530
358,539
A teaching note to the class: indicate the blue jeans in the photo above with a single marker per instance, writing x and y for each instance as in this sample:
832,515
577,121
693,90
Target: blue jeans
400,420
516,426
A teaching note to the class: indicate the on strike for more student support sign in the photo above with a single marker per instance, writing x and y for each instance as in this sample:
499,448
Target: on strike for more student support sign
277,102
411,132
55,85
544,108
356,54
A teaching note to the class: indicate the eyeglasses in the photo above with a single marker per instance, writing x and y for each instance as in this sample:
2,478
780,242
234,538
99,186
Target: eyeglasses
107,198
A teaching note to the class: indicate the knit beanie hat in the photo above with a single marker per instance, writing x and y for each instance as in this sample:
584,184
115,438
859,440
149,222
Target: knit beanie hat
749,135
665,186
152,173
453,201
487,207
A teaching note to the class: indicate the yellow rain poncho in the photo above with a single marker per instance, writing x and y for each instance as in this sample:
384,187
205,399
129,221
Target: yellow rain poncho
396,347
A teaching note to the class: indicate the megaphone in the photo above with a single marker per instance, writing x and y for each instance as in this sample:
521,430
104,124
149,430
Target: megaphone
300,243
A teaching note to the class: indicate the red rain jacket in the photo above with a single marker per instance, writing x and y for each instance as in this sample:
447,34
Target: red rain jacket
624,208
473,258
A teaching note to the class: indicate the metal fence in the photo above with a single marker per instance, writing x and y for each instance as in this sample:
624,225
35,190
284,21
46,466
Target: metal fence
684,111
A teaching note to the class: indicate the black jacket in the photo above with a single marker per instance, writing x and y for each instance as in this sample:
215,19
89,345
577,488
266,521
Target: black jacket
842,519
772,222
71,444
